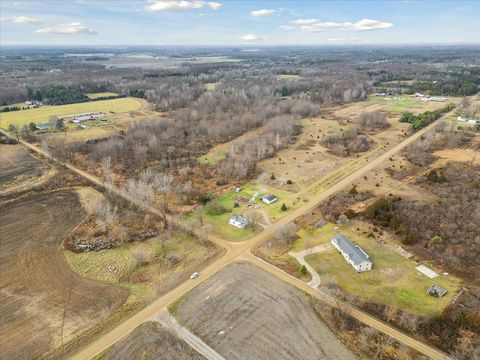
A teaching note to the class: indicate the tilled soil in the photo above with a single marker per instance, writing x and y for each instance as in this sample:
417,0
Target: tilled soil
16,165
151,341
42,302
245,313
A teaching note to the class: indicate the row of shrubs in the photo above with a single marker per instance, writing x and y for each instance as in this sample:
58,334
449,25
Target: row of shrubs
422,120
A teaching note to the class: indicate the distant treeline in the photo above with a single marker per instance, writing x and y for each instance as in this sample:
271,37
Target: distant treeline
61,95
418,122
108,97
463,85
57,95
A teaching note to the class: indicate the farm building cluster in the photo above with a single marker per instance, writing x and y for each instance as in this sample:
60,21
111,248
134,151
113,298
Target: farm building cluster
33,104
418,96
78,119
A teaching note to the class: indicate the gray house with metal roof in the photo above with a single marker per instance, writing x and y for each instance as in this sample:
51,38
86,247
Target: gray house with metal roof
354,254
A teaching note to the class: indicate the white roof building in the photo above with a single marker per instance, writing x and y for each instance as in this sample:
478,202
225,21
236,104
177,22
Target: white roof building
354,255
238,221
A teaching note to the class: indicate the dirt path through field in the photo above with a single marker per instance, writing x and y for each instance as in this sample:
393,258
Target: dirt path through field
244,312
195,342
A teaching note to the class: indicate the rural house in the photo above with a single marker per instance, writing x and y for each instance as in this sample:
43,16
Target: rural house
354,255
238,221
268,198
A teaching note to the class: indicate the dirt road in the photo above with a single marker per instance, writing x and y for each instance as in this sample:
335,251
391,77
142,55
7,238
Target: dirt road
195,342
235,249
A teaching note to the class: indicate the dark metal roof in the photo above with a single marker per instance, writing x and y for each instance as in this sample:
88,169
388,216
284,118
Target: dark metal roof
269,197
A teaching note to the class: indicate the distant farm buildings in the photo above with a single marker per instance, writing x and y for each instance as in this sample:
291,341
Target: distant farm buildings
354,255
238,221
418,96
79,119
34,103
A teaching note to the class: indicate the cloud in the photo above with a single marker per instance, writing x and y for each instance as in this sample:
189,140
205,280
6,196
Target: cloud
368,24
21,20
25,20
305,21
167,5
73,28
263,12
315,25
287,27
350,39
250,37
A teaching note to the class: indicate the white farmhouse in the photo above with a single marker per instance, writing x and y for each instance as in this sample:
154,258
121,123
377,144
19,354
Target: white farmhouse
354,255
238,221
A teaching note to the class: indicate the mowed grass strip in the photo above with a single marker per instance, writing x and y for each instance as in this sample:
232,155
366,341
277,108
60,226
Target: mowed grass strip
393,279
25,117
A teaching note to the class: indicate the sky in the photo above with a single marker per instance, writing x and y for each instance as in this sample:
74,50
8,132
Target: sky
226,22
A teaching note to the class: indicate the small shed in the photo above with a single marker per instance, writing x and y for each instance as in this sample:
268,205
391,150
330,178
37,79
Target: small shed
269,198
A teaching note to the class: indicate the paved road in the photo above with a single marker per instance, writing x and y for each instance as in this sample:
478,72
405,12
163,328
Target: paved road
300,256
234,250
195,342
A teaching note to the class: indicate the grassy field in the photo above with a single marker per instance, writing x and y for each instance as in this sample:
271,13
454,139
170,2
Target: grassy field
101,94
24,117
393,279
406,104
155,274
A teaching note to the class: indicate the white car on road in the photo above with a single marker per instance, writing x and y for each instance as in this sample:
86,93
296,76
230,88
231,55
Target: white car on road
194,275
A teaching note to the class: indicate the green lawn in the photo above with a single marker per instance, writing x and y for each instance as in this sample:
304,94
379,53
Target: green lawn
43,113
274,212
393,279
404,105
